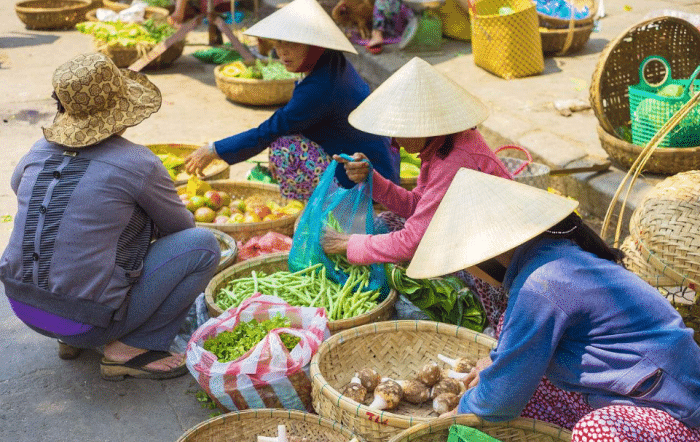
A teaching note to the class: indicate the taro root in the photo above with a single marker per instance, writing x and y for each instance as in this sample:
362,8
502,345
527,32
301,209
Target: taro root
447,385
414,391
430,374
445,402
387,395
460,365
354,390
369,378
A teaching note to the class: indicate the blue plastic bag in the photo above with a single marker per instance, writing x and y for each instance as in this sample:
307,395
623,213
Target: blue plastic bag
353,211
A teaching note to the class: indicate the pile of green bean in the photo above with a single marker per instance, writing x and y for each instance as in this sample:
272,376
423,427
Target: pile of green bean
306,288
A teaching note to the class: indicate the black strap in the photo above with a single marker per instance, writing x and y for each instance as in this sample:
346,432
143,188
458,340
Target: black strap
144,359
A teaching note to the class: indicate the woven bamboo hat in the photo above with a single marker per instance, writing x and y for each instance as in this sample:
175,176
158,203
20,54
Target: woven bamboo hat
664,245
480,217
302,21
418,101
99,100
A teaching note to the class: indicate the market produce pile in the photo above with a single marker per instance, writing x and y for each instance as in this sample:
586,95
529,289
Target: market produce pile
272,70
232,344
142,36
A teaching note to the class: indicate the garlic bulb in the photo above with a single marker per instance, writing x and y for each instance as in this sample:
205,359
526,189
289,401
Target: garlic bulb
369,378
414,391
460,365
387,395
430,374
445,402
354,390
447,385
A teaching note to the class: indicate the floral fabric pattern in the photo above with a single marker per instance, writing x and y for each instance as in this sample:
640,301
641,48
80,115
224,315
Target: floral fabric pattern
297,163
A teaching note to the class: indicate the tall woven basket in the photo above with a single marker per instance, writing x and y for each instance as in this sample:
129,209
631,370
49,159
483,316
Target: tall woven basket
395,349
678,41
562,36
276,262
663,244
247,425
52,14
508,45
241,190
516,430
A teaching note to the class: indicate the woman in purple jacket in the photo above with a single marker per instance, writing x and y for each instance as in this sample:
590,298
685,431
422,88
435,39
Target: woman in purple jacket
597,331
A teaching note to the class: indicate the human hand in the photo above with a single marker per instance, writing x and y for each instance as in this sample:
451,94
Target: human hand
198,160
450,413
334,242
472,379
357,170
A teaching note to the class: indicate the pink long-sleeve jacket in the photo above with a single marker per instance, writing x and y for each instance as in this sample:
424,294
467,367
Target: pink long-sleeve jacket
419,205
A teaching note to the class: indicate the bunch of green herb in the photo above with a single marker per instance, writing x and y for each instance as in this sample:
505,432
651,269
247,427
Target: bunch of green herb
127,34
231,345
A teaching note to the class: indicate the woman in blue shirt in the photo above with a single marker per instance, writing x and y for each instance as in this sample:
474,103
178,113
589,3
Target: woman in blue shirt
313,126
574,314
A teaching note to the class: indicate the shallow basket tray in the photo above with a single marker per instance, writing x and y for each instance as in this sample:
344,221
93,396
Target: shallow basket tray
395,349
241,190
124,57
275,262
253,91
52,14
115,6
554,40
516,430
245,426
664,160
216,170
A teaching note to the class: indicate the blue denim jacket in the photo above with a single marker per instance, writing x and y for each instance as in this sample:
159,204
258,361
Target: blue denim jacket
591,327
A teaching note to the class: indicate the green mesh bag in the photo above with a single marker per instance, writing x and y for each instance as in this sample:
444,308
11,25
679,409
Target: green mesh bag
462,433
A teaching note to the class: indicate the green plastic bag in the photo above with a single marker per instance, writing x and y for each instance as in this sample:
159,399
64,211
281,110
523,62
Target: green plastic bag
462,433
218,55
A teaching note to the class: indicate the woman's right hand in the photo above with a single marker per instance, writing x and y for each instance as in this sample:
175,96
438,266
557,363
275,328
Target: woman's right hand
198,160
356,170
472,378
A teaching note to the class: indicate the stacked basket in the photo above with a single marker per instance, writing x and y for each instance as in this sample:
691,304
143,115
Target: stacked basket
562,36
52,14
672,38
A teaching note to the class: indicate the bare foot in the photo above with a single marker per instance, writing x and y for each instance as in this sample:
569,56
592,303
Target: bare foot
376,39
119,352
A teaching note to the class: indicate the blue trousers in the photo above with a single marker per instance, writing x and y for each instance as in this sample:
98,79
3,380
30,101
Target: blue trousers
176,269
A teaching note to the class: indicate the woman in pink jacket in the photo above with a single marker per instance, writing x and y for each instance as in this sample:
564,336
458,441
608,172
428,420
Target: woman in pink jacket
429,115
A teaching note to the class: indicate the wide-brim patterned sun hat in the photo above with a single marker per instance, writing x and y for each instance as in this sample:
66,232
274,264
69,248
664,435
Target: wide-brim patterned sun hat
418,101
302,21
99,100
480,217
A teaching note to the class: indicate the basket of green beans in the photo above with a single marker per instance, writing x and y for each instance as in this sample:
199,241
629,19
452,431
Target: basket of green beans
347,305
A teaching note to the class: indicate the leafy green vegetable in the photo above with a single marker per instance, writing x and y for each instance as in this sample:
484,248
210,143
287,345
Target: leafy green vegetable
159,3
127,35
445,299
231,345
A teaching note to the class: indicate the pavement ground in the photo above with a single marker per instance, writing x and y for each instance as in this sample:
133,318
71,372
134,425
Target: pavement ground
48,399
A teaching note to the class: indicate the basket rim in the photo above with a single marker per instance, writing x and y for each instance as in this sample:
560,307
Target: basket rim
249,81
594,91
361,410
22,6
231,244
577,29
661,151
237,416
340,324
442,423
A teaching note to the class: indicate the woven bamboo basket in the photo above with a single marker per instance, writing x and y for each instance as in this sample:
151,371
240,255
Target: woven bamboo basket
396,349
245,426
667,160
525,171
677,40
52,14
241,190
216,170
229,250
115,6
516,430
252,91
275,262
549,22
557,41
123,57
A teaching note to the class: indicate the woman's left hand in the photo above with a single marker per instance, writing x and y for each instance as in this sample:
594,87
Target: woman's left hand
334,242
450,413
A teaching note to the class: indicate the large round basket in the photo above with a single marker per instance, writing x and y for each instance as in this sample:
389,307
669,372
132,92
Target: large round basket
664,160
550,22
241,190
395,349
216,170
276,262
115,6
124,57
556,41
247,425
516,430
52,14
675,39
254,92
229,250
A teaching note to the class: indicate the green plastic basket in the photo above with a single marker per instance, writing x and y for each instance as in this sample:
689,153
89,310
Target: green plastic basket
649,110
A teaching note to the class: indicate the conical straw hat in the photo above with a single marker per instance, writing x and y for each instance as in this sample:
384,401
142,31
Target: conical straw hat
302,21
418,101
480,217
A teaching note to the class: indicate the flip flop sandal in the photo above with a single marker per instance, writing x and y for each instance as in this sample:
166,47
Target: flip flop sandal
374,49
135,367
68,352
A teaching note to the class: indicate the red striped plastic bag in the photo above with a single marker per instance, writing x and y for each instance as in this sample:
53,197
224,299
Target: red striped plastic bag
268,375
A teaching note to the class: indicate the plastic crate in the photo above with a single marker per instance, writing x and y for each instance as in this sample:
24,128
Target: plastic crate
649,110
